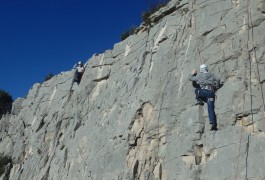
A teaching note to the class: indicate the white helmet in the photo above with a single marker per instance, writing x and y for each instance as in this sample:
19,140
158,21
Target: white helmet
203,68
79,63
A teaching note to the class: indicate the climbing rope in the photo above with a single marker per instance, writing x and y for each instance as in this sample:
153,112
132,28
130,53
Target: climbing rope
195,31
250,67
248,60
163,88
145,124
255,60
193,21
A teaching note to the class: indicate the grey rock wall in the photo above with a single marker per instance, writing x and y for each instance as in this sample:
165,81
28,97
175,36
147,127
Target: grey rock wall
133,114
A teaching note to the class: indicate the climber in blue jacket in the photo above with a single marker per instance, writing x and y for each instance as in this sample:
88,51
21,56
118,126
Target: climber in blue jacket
208,84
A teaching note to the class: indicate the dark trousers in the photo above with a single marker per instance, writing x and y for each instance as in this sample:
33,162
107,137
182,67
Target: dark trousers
209,97
78,77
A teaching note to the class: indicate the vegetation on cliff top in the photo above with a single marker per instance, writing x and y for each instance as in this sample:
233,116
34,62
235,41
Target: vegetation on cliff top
6,101
145,17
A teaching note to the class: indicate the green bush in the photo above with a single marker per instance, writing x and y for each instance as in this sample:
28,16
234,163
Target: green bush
4,160
49,76
153,8
6,101
127,33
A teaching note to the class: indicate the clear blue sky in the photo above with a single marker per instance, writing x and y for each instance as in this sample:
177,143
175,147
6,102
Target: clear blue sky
38,37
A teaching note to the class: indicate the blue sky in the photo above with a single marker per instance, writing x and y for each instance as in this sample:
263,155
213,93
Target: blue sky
38,37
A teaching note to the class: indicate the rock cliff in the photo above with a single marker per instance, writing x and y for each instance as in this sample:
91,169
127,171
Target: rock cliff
133,114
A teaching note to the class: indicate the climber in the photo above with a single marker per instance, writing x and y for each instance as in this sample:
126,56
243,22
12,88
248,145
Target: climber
208,84
79,72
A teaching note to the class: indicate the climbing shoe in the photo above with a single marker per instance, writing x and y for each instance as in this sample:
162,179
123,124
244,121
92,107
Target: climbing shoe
214,127
199,103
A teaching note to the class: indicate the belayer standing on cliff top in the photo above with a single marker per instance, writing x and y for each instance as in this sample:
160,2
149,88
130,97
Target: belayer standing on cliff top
208,84
79,71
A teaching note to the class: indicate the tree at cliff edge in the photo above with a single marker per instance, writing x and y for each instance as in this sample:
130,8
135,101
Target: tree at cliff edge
6,101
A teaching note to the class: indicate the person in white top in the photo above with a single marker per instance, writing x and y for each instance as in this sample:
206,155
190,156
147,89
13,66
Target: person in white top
79,71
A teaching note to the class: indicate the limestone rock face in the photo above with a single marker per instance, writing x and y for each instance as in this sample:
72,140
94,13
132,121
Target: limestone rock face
133,114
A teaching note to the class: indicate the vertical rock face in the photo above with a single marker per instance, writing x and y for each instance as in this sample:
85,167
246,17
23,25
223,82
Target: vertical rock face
133,114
